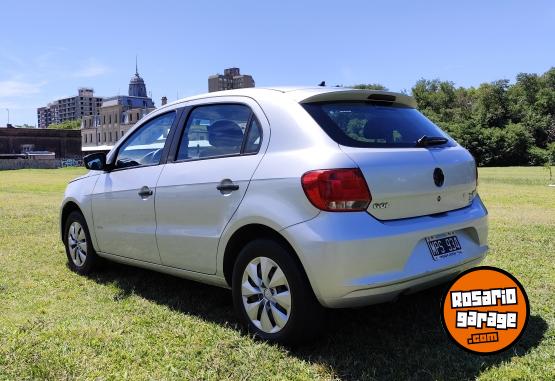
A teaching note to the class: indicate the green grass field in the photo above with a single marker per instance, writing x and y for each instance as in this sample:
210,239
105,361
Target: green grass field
127,323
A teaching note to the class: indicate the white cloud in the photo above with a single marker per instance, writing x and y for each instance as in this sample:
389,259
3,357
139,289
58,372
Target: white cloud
19,88
91,69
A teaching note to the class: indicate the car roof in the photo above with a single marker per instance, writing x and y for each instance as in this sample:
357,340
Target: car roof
305,94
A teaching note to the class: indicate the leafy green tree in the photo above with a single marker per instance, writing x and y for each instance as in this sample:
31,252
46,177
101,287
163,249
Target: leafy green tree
492,104
441,101
370,86
67,125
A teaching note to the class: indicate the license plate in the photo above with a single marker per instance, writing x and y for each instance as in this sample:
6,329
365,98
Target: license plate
443,245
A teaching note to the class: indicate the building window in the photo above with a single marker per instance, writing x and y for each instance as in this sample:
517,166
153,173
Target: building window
103,119
130,117
110,119
98,138
105,137
138,116
110,136
116,136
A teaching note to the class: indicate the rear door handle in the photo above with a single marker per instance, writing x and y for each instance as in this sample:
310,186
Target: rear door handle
226,185
145,192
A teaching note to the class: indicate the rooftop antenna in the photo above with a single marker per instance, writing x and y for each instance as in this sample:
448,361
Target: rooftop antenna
136,66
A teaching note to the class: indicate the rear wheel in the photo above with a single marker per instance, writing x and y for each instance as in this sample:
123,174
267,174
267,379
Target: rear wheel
79,250
272,296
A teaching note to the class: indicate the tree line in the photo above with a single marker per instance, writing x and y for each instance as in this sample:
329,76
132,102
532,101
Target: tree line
67,125
500,123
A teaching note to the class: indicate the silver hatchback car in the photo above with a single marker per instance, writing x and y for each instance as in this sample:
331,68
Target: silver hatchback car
295,198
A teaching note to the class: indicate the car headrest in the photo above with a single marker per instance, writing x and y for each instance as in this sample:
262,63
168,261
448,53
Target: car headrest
225,133
377,129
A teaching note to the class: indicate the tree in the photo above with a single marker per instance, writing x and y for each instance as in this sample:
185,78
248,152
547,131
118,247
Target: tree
370,86
492,103
67,125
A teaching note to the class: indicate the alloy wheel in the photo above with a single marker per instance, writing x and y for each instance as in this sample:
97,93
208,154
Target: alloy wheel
77,243
266,295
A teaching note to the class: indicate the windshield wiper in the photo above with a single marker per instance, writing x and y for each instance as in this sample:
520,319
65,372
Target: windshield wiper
426,141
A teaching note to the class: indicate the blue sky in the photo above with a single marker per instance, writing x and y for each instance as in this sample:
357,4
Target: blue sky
50,48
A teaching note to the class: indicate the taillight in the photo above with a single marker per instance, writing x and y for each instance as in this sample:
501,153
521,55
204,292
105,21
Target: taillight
337,190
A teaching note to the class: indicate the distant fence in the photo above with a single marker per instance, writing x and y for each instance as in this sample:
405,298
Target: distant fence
40,164
71,163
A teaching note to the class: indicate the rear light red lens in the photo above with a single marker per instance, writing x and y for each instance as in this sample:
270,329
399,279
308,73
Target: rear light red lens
337,190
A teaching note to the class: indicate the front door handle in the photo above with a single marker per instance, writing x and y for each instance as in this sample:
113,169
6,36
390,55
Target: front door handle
145,192
226,185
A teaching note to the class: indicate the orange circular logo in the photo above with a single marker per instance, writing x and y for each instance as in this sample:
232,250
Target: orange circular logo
485,310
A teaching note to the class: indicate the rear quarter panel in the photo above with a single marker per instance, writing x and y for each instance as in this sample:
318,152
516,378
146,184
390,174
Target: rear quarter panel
275,197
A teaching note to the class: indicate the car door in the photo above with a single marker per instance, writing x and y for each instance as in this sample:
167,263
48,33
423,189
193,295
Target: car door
202,185
123,198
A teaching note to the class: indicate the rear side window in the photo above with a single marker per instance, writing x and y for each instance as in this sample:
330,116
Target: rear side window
254,137
364,124
219,130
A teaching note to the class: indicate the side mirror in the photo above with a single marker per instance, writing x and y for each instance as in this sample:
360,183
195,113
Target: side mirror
96,161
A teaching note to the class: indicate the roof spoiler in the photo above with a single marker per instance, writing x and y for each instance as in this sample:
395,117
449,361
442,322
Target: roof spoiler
361,95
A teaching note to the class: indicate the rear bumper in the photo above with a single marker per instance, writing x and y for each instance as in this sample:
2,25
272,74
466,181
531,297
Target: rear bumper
352,259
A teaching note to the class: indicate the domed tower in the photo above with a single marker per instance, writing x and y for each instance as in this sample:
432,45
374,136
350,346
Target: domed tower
137,87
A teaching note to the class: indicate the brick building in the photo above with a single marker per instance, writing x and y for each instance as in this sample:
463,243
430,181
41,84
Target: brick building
64,143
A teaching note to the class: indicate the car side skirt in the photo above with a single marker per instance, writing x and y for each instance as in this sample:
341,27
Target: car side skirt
209,279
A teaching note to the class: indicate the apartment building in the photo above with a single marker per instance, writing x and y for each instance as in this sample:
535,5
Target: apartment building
70,108
231,79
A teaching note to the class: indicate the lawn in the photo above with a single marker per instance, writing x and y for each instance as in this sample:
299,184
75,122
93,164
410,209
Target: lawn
127,323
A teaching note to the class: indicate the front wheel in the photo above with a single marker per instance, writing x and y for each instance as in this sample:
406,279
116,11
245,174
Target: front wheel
272,296
79,249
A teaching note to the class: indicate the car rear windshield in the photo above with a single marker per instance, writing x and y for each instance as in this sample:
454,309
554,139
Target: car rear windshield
367,124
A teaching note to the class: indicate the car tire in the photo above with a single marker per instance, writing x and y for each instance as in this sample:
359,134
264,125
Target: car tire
272,296
79,249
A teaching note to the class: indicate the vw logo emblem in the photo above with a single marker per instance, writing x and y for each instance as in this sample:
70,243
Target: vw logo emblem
439,177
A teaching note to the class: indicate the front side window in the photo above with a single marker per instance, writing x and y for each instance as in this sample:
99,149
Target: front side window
366,124
145,146
214,130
